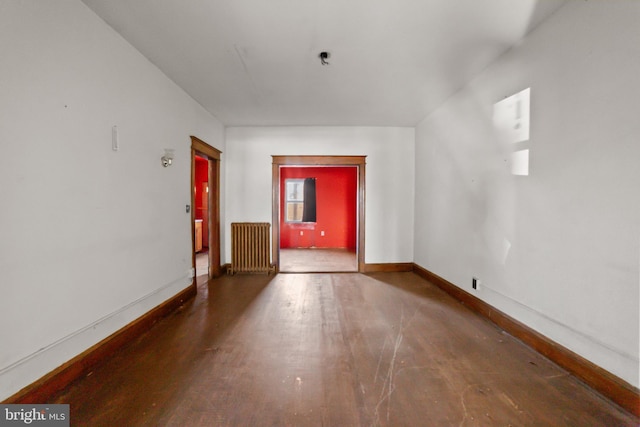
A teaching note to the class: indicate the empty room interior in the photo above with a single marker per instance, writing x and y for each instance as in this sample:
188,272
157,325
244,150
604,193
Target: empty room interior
321,213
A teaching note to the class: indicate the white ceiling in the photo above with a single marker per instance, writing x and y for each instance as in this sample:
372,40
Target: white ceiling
255,62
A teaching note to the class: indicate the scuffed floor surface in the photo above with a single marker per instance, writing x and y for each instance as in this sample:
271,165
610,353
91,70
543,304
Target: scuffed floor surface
385,349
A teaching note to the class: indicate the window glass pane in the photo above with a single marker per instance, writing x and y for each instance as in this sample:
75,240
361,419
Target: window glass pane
295,190
300,200
294,211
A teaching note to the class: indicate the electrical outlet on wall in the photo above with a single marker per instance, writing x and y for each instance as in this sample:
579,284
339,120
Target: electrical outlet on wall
475,282
301,233
322,233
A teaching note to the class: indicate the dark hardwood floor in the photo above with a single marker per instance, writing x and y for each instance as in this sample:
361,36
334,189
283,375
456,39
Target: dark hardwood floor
385,349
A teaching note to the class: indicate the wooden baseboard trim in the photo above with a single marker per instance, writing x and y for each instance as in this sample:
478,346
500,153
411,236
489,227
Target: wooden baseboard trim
388,267
607,384
46,387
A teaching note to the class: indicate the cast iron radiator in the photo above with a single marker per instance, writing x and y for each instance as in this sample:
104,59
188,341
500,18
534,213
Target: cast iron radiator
250,247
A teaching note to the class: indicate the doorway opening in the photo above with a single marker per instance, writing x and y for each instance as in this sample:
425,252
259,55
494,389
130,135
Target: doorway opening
201,215
321,230
205,212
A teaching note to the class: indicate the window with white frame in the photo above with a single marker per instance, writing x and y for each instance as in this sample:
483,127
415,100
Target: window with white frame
300,200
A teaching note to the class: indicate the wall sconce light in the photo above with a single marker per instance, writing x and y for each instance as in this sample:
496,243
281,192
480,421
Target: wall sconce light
167,159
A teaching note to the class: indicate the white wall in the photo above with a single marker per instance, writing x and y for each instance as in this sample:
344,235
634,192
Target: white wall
558,249
90,238
389,178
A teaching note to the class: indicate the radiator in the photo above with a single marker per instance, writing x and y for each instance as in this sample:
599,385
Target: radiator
250,247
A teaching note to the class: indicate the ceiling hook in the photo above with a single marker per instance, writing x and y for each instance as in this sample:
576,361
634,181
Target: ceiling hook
323,58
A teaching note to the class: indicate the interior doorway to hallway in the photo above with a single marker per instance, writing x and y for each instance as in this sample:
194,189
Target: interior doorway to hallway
205,208
201,215
330,237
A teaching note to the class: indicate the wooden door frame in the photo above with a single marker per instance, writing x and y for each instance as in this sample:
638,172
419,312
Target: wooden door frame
278,161
202,149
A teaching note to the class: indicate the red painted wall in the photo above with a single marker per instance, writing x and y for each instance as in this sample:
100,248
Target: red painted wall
201,177
200,208
336,209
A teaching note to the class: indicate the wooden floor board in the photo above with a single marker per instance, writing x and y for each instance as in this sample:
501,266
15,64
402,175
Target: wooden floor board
384,349
318,260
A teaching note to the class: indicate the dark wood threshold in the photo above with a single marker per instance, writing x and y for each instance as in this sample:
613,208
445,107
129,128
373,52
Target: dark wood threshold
609,385
388,267
42,390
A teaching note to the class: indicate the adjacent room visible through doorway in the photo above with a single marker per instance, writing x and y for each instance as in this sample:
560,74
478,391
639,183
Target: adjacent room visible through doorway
205,208
201,215
318,220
